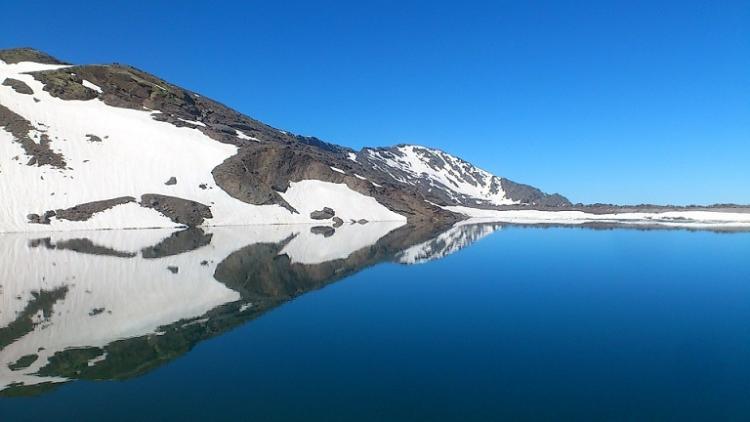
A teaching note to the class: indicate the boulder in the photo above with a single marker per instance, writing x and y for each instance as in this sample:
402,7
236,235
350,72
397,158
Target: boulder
324,214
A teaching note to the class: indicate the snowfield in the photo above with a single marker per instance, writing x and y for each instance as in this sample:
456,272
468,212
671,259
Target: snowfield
309,195
136,155
695,219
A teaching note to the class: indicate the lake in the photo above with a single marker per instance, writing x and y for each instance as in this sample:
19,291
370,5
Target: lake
376,322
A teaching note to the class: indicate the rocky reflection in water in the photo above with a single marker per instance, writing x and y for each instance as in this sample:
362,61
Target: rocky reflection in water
109,305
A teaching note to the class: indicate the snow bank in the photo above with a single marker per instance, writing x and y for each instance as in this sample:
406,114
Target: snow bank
686,218
310,195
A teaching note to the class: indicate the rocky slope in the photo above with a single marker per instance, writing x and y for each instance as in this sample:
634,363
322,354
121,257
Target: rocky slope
448,180
111,146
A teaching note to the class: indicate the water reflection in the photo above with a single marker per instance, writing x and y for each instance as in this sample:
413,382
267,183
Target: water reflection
115,304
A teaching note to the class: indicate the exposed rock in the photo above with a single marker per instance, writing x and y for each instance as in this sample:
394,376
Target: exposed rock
250,177
172,181
179,210
40,219
96,311
128,87
83,212
337,222
23,362
530,195
65,84
324,214
25,54
326,231
173,270
362,221
453,181
41,153
93,138
18,86
259,172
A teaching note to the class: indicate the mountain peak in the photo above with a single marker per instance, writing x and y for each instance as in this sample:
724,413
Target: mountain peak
447,179
27,54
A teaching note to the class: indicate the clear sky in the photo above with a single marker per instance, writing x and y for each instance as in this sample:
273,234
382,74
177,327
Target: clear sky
603,101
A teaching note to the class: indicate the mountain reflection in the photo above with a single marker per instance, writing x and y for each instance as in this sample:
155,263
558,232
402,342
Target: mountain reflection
110,305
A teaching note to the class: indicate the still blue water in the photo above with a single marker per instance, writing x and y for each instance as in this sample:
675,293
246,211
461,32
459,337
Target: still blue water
525,324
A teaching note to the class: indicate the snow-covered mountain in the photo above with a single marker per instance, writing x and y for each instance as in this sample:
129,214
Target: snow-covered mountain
110,146
448,179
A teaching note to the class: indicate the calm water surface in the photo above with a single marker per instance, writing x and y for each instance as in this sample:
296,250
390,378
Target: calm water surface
376,323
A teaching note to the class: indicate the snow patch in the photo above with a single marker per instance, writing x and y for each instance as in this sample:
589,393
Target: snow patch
93,86
245,137
697,219
309,195
193,122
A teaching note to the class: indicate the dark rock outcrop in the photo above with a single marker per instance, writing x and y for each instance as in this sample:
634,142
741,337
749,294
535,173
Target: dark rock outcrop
258,172
532,196
93,138
179,210
25,54
41,153
18,86
394,163
41,219
65,84
83,212
324,214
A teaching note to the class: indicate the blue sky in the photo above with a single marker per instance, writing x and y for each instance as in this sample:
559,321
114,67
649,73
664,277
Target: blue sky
603,101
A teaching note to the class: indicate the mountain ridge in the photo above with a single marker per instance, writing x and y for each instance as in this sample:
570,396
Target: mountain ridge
260,163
